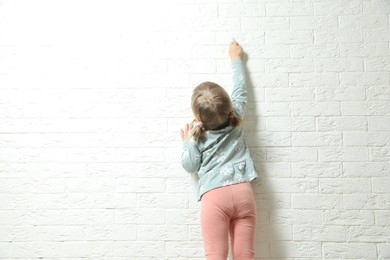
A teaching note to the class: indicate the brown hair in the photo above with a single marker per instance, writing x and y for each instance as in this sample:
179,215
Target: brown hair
212,108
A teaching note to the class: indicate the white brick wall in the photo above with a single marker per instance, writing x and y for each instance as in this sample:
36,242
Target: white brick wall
92,94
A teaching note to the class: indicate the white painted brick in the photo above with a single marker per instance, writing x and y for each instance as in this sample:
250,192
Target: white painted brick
380,185
339,36
316,201
314,51
344,186
377,64
184,248
351,123
142,216
376,35
378,93
383,250
365,201
380,154
376,7
291,65
348,217
382,217
365,108
316,139
289,94
338,64
165,232
296,249
140,185
314,79
292,185
363,22
313,22
289,9
343,154
245,10
176,217
379,123
316,108
366,169
339,7
316,169
289,37
350,250
292,154
296,217
340,94
319,233
290,124
264,23
367,139
162,200
363,49
368,234
270,139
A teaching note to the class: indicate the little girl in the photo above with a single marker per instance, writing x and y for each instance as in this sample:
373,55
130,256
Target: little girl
215,149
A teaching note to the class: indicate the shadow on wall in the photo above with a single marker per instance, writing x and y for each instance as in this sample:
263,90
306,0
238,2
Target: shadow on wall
267,243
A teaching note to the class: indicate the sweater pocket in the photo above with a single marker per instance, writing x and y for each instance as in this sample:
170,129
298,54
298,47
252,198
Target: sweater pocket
241,166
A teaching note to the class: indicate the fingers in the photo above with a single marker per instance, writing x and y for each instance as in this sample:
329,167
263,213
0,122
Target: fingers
184,131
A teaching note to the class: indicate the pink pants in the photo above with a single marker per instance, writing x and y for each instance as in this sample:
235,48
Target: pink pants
231,208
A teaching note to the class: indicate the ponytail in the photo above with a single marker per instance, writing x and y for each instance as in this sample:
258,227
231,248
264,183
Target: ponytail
234,120
198,129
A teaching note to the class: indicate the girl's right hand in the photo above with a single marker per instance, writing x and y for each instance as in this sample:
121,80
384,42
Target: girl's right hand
235,51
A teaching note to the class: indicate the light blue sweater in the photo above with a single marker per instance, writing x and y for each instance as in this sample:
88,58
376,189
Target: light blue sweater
221,157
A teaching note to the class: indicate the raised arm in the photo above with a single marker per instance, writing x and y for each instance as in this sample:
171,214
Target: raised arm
239,93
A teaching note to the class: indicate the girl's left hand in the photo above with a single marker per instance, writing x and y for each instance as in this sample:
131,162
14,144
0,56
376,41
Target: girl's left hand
185,131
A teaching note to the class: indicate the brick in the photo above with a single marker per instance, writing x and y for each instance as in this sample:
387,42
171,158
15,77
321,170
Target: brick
339,64
343,154
316,201
367,139
350,123
349,217
264,23
316,170
363,22
365,201
289,94
296,217
296,249
379,123
339,7
378,93
365,108
344,186
314,51
350,250
363,49
340,36
305,108
292,185
366,169
319,233
289,37
289,9
368,234
316,139
340,94
323,79
290,123
291,154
